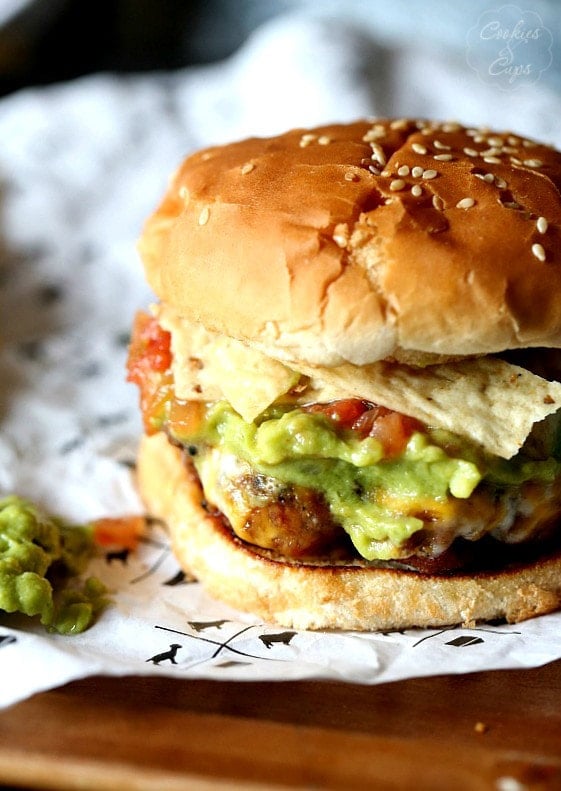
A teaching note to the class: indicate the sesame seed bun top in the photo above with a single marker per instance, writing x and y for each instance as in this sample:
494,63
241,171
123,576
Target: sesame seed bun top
365,241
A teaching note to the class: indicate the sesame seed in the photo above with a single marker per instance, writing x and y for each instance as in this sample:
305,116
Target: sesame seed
512,141
378,153
386,173
465,203
509,783
204,216
416,190
350,176
418,148
341,234
528,143
374,169
492,160
542,224
430,174
374,134
324,140
533,163
500,183
491,152
470,152
443,157
478,139
451,126
538,251
441,146
516,161
399,123
417,172
437,202
487,177
403,170
247,168
495,141
396,185
305,140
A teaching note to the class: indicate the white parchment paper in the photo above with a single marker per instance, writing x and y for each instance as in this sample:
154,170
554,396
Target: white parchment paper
81,165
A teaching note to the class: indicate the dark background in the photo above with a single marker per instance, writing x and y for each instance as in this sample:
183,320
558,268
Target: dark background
56,40
53,40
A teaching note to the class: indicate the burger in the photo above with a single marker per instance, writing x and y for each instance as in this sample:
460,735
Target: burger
348,384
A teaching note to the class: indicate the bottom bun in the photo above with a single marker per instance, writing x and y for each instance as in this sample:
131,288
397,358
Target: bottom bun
309,596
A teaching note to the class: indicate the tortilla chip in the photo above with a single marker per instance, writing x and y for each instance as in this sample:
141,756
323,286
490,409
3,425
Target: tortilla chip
485,399
208,366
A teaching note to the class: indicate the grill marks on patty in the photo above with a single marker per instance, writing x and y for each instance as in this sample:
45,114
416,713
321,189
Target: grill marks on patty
296,522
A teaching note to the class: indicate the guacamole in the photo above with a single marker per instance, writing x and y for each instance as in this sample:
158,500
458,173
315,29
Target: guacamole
374,498
38,554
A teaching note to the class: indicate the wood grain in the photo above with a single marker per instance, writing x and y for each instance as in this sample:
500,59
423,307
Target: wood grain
150,733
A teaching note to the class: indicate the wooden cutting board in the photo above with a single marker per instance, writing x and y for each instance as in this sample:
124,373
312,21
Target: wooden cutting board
495,730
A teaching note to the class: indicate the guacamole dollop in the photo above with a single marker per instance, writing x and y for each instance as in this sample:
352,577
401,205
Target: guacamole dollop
38,554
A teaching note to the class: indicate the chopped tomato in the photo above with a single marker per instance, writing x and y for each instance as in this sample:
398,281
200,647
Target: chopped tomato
148,366
391,428
149,349
185,417
122,532
344,412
